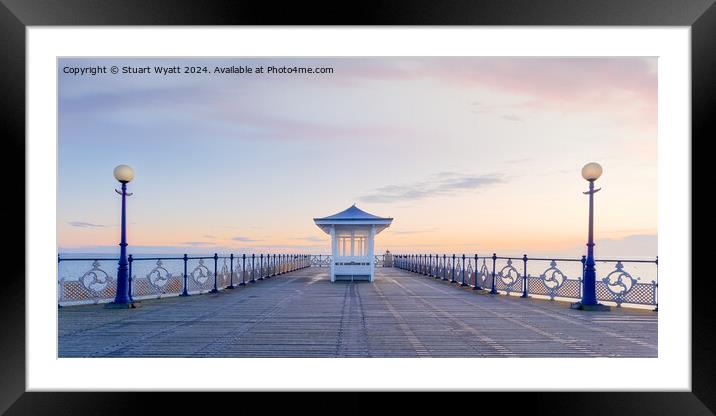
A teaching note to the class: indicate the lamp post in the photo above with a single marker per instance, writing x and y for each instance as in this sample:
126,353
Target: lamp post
590,172
122,300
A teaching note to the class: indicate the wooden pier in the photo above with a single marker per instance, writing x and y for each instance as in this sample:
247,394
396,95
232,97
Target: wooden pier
303,314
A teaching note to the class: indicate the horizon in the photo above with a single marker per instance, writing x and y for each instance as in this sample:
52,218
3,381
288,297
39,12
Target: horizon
603,249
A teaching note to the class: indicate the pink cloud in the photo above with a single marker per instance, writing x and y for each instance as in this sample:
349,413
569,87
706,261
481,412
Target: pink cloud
265,127
241,116
624,88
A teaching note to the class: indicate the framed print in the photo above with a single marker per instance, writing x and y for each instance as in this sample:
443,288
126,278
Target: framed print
248,202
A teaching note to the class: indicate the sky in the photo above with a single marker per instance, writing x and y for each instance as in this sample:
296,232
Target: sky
467,154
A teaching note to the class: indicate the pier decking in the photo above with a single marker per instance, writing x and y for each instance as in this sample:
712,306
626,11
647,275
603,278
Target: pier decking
303,314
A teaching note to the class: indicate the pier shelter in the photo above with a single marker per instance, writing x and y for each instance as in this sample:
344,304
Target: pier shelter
352,234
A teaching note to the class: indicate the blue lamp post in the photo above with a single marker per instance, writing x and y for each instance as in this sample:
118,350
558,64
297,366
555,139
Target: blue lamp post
124,174
591,172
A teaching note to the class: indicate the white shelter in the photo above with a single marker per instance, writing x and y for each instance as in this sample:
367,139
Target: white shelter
352,235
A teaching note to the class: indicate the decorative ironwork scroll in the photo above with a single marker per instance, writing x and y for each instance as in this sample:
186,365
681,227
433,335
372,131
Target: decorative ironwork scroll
619,283
95,280
159,276
510,277
201,273
553,279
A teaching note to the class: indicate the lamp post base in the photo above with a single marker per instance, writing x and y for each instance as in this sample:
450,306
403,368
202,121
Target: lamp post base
129,305
583,307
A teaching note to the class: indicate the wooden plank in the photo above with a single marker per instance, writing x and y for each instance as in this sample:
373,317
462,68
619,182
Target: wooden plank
401,314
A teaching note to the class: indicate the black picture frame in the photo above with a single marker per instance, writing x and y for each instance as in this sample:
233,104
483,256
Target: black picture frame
16,15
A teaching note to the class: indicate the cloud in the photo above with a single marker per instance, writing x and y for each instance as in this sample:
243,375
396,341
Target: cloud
197,243
441,184
512,117
311,239
637,246
642,245
623,87
521,160
77,100
248,123
481,108
81,224
211,110
408,232
245,239
631,231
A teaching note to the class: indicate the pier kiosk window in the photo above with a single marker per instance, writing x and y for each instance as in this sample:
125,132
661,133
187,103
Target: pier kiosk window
352,234
352,242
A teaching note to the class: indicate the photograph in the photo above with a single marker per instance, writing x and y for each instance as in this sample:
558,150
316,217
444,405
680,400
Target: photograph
357,207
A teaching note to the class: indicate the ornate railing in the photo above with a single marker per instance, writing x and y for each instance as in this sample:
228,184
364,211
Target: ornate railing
320,260
93,280
553,278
